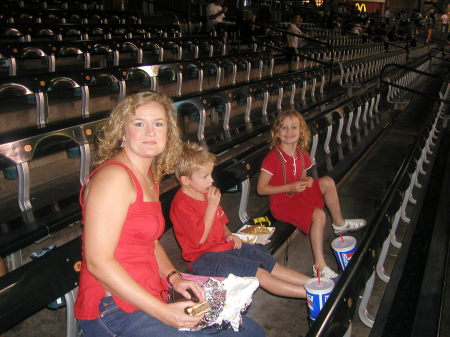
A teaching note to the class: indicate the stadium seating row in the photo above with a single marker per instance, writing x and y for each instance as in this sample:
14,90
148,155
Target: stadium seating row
75,16
15,32
53,4
40,57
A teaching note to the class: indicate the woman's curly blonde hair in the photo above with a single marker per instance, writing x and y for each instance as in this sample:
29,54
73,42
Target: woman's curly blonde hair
111,134
305,134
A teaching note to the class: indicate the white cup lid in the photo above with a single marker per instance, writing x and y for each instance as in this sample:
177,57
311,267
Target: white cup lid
326,285
347,242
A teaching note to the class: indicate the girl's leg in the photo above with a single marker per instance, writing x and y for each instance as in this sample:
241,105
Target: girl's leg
316,236
289,275
329,191
279,287
340,225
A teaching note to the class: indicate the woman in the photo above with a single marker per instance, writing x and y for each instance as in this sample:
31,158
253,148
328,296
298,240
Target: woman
125,271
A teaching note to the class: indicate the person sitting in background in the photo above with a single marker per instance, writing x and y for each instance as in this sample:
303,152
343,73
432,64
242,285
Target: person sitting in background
387,16
356,29
295,42
428,27
215,13
247,28
444,21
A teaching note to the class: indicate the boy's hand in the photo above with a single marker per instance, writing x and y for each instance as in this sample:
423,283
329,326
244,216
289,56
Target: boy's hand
237,241
213,196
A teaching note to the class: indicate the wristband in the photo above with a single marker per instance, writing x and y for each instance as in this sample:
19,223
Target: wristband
173,272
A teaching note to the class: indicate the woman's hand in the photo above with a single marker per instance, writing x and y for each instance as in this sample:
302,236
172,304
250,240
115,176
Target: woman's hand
175,315
237,241
181,285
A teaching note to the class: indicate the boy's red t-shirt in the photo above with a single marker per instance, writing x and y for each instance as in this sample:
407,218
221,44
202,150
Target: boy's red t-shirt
187,214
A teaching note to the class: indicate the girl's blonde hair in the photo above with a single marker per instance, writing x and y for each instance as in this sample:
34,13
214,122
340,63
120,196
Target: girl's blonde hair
193,157
111,134
305,134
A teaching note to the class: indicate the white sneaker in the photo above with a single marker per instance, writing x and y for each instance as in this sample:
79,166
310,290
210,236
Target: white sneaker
350,225
325,272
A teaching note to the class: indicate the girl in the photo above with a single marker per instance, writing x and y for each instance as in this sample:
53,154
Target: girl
125,271
293,196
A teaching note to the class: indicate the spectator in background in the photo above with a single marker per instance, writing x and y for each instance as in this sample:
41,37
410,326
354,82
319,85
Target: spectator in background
428,27
356,29
215,13
387,16
403,28
444,21
249,30
295,42
416,19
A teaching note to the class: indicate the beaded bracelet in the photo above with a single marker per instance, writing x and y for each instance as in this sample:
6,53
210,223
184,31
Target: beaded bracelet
173,272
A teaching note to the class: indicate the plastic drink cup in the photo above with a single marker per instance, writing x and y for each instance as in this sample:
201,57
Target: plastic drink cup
317,294
343,248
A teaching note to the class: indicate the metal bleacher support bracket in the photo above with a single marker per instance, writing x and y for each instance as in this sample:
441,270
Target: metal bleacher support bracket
70,298
363,313
245,194
14,260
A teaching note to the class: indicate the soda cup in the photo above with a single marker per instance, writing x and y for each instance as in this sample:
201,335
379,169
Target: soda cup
343,248
317,294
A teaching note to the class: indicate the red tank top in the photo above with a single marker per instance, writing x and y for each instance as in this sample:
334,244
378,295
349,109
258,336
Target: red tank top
143,225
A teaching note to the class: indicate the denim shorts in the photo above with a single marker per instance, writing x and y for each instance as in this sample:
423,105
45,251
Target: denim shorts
113,321
241,262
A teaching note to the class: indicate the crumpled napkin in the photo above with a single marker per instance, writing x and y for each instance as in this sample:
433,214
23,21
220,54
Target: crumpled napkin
262,240
239,296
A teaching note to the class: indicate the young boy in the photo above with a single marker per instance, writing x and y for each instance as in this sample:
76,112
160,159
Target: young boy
200,227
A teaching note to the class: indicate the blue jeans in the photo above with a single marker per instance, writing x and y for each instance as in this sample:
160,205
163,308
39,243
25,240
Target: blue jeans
243,262
114,322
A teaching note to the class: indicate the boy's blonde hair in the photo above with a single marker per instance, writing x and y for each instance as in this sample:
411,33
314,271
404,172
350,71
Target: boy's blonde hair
305,134
193,156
